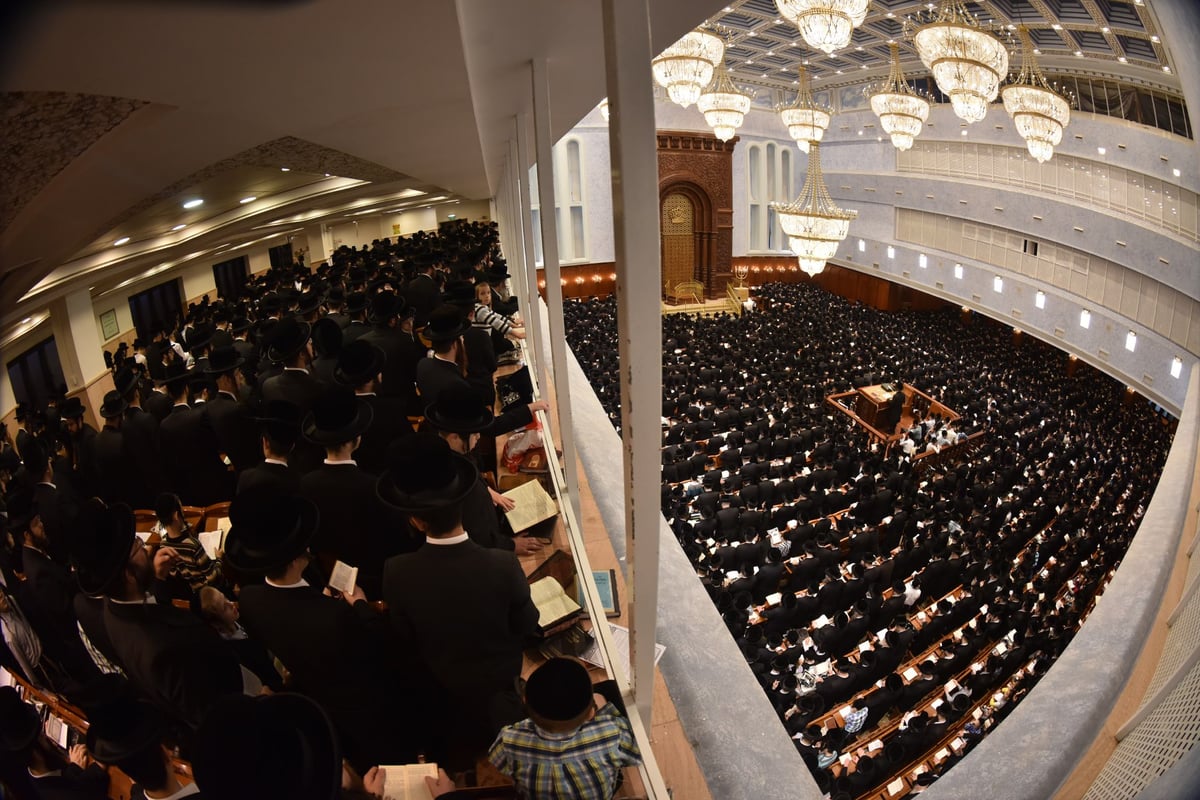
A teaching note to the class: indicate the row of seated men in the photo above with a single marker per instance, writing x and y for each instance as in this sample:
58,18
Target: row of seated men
792,515
432,675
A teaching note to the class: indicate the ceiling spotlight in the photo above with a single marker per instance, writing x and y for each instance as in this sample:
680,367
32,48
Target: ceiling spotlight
285,169
179,227
193,203
121,241
249,199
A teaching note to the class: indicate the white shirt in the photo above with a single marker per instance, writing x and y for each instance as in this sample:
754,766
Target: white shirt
462,537
298,584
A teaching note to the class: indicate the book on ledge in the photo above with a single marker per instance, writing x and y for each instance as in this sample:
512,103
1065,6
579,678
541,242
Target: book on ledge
556,609
533,505
606,586
407,781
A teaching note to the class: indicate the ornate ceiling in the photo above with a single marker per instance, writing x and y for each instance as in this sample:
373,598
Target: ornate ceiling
1108,36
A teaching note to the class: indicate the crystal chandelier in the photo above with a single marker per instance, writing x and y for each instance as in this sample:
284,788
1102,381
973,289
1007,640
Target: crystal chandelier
604,109
1039,112
966,61
826,25
686,67
901,111
724,107
806,120
814,224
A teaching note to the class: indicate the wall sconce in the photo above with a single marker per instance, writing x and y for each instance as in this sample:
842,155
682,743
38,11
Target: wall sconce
1176,367
563,281
596,279
579,281
612,276
1085,319
541,284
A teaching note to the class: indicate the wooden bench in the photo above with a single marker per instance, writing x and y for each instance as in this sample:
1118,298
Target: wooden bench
686,292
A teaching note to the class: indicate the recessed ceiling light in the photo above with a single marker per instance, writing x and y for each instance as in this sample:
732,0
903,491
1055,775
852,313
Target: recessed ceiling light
285,169
890,15
839,72
1123,59
1175,172
748,61
1079,53
27,320
1056,27
179,227
1037,52
326,174
193,203
751,33
1101,150
249,199
1154,39
121,241
770,52
1166,68
964,133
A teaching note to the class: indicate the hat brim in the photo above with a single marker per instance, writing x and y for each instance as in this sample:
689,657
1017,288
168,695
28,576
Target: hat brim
109,412
21,733
213,372
290,349
104,568
446,336
465,475
364,373
363,416
459,424
148,729
244,557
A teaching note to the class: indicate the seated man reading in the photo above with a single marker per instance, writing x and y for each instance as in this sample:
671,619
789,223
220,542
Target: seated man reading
574,743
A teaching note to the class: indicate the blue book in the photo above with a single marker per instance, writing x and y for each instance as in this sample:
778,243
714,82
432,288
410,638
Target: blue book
606,585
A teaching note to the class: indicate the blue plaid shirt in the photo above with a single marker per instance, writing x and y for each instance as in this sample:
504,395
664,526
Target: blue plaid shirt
583,765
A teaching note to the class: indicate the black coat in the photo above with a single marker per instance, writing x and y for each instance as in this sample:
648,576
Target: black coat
176,660
434,375
143,450
50,605
402,353
236,432
389,422
278,476
347,660
190,455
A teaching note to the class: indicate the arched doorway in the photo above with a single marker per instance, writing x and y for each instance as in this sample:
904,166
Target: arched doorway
678,240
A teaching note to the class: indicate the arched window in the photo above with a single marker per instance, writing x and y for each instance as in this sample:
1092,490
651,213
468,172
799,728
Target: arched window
569,204
769,180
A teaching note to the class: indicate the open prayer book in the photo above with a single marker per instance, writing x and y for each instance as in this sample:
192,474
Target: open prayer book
344,577
407,781
533,505
213,542
554,605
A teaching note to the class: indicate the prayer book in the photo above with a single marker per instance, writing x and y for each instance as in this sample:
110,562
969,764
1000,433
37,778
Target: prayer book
910,673
877,744
606,585
533,505
344,577
895,787
407,781
553,604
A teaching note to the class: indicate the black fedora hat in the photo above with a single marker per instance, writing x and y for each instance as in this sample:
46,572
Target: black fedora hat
240,324
120,724
288,338
559,690
200,337
23,412
172,372
270,304
445,324
114,405
268,528
20,722
356,302
279,745
357,363
459,293
385,307
327,336
21,510
337,417
280,420
309,302
424,474
72,408
101,545
459,409
223,360
125,380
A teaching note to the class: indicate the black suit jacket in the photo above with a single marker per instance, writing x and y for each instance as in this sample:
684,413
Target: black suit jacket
176,660
59,511
116,476
73,784
157,404
347,660
193,463
389,422
402,353
294,386
356,526
422,294
467,610
278,476
435,375
236,432
50,605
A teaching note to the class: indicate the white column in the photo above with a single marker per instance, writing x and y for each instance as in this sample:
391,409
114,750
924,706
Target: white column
554,300
319,242
634,161
533,312
82,353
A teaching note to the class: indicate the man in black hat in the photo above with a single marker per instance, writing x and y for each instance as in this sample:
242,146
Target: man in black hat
356,310
191,453
173,658
128,733
140,433
421,292
445,367
327,343
340,652
58,507
359,366
227,414
466,607
459,417
356,526
82,445
574,742
477,342
401,351
48,595
50,775
279,428
290,346
117,479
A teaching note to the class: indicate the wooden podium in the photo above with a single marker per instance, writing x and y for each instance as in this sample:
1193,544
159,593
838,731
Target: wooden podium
871,402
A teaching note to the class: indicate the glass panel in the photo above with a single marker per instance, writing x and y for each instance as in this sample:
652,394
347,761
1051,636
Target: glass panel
536,216
786,160
755,170
574,178
577,233
533,187
772,174
756,232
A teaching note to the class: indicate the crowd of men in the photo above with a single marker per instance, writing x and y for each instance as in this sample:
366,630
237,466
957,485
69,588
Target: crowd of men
294,402
878,599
